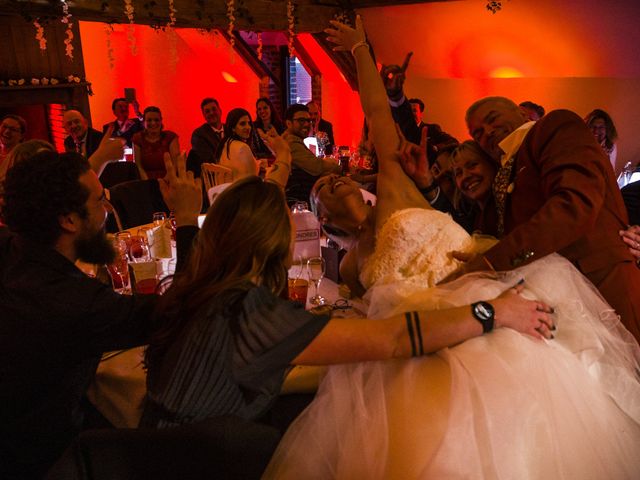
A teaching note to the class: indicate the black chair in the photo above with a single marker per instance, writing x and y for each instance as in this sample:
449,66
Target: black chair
631,197
137,201
218,448
119,172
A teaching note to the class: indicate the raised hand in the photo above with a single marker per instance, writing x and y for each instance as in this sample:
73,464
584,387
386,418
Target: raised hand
344,36
272,140
181,191
109,150
281,168
413,159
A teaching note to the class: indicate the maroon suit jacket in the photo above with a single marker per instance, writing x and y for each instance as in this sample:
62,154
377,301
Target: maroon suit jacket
565,200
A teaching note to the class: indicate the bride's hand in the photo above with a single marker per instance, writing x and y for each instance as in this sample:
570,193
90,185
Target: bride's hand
344,36
526,316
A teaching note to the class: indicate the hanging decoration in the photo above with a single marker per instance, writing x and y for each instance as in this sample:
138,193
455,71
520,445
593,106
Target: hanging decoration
66,19
494,6
172,35
23,82
108,30
172,14
291,21
129,11
259,51
40,34
231,11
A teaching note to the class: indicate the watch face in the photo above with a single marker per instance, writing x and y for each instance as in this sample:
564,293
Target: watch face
483,310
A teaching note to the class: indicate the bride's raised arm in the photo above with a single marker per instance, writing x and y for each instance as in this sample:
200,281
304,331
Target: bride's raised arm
395,190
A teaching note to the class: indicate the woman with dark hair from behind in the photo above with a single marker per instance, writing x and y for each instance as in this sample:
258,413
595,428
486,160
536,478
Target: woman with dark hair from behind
228,337
605,132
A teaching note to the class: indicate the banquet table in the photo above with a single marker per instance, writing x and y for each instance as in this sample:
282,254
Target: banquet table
119,385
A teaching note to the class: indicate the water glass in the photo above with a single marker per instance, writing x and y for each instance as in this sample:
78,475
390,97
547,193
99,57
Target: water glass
119,269
159,218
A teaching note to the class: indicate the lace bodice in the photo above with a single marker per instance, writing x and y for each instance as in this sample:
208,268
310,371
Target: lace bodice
415,245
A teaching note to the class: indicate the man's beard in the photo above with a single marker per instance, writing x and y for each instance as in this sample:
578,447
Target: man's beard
95,248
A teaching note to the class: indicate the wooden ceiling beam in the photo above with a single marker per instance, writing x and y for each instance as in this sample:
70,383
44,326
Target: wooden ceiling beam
250,15
250,57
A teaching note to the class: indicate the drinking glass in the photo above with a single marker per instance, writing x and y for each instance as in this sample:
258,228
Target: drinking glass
159,218
126,238
119,269
315,272
139,250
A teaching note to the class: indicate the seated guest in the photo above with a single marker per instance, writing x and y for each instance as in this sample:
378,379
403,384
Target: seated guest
306,168
234,152
12,130
227,337
417,108
85,140
56,322
150,145
321,128
436,138
206,138
80,137
532,111
605,132
266,117
123,126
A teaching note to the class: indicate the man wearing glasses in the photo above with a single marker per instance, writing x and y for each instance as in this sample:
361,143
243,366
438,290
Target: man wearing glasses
306,167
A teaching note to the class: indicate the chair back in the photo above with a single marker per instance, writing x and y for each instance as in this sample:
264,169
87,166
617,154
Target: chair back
119,172
225,447
214,174
135,202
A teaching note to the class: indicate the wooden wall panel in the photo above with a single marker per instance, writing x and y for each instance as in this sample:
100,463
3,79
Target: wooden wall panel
21,54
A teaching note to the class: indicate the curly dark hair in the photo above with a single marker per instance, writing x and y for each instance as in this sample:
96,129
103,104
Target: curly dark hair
39,189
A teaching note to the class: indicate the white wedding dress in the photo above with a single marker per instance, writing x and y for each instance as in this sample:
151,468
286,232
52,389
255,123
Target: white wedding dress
500,406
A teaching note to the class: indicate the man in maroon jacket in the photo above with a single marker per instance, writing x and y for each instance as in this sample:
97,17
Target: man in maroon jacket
555,192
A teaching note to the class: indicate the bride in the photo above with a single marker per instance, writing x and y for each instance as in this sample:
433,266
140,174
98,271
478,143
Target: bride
504,405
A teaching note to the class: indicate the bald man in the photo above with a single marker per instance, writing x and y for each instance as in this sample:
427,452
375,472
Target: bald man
81,138
555,192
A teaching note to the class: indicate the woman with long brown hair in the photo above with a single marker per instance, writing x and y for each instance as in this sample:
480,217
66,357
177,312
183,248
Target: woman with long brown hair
228,337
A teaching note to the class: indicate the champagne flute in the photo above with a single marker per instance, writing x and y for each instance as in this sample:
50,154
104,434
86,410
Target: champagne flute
315,271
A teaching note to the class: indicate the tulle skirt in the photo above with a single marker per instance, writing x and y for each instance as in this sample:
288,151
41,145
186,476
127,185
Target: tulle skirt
500,406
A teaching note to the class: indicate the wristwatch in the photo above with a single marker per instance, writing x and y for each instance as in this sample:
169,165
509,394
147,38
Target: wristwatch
485,314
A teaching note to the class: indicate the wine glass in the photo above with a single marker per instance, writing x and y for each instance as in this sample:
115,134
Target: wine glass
315,271
119,269
126,238
139,250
